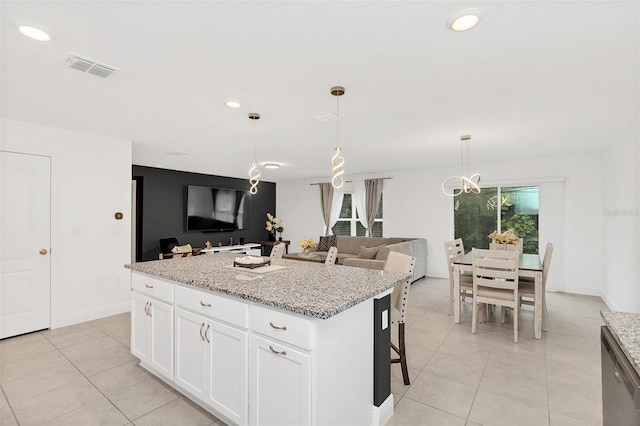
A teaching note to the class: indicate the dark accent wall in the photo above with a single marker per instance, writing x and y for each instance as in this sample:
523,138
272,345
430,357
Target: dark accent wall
161,207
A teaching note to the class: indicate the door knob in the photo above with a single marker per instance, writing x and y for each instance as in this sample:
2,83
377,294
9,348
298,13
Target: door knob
43,251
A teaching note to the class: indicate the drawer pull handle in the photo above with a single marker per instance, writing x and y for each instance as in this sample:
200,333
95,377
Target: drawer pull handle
201,336
208,305
205,334
284,327
146,308
148,286
276,352
149,310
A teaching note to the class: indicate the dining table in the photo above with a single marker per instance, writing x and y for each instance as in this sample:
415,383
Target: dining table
529,266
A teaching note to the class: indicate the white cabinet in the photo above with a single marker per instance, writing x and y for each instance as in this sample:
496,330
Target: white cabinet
280,384
152,333
211,356
280,380
254,364
191,352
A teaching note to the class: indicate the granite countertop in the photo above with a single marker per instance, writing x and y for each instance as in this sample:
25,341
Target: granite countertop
625,328
311,289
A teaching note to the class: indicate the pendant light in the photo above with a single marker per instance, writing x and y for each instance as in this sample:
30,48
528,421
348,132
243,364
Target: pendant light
254,172
467,184
337,161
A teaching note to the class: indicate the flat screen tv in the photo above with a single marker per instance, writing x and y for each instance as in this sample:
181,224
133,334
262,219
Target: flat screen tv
217,209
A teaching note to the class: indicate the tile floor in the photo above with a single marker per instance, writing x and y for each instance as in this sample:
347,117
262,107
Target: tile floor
85,375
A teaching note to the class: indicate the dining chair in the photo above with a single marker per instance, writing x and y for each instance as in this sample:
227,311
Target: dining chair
331,256
276,252
528,289
454,250
403,263
495,281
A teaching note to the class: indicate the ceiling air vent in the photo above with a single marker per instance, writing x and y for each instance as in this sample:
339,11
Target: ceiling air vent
80,63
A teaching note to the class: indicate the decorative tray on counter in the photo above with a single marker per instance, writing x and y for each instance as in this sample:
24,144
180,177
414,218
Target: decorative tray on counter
251,265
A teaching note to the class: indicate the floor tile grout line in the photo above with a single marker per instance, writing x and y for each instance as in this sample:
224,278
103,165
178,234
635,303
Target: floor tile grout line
435,408
9,405
92,384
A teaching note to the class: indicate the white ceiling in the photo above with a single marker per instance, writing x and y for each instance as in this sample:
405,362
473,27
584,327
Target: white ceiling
533,79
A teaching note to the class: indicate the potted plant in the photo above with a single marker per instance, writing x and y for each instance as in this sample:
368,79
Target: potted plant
273,226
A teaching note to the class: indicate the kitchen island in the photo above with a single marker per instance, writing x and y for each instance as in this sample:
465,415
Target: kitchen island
290,343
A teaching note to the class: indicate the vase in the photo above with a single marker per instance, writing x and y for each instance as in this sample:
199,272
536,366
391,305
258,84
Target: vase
271,237
279,238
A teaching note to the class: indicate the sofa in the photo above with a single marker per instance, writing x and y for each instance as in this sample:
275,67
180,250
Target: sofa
375,250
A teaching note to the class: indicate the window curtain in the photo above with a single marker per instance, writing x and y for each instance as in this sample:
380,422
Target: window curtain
373,190
366,198
358,198
331,201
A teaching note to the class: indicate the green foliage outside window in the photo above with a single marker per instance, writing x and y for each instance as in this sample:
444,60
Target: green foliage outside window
477,215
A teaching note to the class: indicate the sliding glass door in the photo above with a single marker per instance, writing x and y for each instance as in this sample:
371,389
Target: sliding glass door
475,216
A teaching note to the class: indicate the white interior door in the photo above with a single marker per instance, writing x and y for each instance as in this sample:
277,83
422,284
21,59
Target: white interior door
25,244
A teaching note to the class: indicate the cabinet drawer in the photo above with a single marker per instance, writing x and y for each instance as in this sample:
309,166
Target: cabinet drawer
151,286
213,306
286,327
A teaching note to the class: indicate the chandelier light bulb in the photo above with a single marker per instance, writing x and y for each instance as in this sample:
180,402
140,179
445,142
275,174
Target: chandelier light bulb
337,161
254,177
468,185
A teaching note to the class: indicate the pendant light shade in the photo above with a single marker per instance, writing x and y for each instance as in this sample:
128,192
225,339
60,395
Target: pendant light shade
467,184
254,171
337,161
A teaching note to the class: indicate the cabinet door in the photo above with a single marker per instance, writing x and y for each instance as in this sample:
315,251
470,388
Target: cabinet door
227,371
280,384
191,352
161,315
140,327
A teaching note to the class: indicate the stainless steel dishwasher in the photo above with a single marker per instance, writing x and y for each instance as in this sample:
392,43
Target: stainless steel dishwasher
620,384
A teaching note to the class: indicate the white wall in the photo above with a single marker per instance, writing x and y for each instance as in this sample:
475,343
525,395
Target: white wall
414,206
90,181
621,189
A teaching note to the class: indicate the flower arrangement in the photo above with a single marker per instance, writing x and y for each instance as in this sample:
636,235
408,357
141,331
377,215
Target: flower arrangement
305,244
273,224
507,237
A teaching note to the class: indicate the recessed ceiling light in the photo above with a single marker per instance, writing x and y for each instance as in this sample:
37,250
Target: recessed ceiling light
271,165
465,19
34,33
232,104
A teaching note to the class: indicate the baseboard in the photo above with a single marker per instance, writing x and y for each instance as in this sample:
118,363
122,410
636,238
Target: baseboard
610,303
90,315
383,413
586,291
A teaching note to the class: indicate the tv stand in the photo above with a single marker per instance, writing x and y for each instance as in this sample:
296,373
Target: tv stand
249,248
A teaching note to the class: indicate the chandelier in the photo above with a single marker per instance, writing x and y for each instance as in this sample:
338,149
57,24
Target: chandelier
467,184
337,161
254,172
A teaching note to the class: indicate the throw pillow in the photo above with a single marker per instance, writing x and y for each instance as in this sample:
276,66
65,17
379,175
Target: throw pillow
368,252
326,243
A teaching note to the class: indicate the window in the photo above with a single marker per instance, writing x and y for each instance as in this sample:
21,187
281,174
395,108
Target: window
348,223
475,216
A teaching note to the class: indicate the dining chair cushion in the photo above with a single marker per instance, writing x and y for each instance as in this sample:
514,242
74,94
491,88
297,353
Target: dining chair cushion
495,293
526,287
